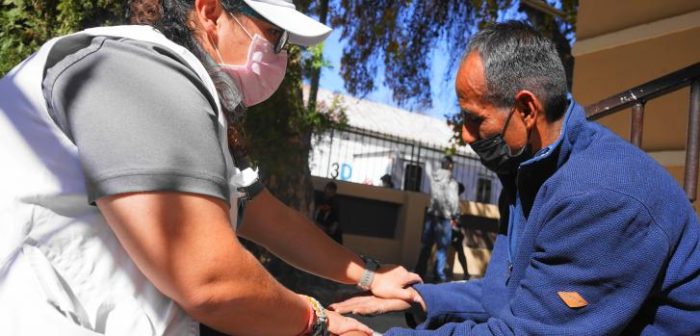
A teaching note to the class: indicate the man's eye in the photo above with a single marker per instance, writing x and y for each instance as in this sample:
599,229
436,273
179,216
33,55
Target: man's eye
471,118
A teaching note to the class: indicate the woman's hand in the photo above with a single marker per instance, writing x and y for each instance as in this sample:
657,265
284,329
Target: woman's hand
356,333
369,305
341,325
391,282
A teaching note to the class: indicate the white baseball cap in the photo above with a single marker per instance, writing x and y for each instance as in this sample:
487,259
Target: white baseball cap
303,30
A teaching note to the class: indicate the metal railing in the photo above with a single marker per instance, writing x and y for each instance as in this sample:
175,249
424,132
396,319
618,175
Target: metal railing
637,97
363,156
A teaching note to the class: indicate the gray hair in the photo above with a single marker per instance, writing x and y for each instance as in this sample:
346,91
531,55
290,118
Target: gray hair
518,57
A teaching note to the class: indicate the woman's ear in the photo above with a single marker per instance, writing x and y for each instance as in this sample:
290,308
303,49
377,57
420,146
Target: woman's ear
206,16
529,107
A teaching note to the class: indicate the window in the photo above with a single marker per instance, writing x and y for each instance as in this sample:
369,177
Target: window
483,190
413,176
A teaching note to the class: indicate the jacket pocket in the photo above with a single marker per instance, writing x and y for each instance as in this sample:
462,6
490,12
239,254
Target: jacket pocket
63,313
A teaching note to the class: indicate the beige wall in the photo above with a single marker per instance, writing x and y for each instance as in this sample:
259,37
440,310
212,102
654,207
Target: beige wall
405,246
607,72
625,43
598,17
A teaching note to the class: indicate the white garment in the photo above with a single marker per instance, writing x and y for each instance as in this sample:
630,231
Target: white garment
62,270
444,192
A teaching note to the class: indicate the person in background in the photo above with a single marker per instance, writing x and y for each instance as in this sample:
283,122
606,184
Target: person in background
387,182
441,216
119,205
458,240
327,214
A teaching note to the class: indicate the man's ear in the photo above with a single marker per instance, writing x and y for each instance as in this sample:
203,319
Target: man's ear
529,106
206,15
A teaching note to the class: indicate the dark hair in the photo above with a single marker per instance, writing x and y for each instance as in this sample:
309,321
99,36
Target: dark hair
171,18
460,188
332,186
446,162
516,57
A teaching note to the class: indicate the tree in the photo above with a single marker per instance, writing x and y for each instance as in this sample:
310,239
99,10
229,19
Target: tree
399,35
27,24
280,129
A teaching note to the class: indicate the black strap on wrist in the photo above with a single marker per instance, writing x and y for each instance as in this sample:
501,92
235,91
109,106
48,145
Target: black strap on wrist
249,192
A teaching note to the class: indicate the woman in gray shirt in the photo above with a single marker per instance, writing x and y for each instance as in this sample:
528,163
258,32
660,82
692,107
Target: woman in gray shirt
144,121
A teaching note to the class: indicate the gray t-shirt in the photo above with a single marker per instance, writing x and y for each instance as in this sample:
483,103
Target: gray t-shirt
141,118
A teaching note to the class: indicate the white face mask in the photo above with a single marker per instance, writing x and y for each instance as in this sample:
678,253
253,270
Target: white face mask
262,73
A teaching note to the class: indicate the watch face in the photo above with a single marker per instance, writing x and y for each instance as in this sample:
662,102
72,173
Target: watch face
370,263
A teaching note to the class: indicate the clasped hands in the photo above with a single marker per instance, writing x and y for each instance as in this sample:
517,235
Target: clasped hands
390,291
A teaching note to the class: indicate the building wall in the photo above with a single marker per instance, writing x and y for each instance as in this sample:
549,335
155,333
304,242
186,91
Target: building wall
625,43
353,156
599,17
404,247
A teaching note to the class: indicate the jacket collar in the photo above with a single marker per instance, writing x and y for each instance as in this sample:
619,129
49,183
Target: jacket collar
535,171
574,118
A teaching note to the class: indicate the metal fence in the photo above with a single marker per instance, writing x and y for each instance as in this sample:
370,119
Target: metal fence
363,156
638,96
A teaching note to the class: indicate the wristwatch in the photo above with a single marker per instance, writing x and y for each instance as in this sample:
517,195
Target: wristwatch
371,265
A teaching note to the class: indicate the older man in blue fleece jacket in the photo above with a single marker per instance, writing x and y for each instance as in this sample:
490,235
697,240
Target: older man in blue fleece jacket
596,238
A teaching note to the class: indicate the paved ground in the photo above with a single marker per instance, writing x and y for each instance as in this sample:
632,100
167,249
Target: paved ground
382,323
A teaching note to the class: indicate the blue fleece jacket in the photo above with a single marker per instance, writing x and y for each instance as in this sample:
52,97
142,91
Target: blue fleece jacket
589,214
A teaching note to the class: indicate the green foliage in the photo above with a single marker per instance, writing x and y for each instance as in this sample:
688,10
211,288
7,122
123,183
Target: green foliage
281,127
320,117
27,24
327,116
313,59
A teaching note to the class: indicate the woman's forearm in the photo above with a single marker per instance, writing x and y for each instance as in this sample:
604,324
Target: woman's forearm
295,239
292,237
249,302
184,244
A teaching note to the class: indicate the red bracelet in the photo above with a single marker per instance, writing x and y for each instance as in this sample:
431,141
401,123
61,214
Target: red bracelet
311,318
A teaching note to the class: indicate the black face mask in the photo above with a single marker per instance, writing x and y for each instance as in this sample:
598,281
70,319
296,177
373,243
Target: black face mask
495,153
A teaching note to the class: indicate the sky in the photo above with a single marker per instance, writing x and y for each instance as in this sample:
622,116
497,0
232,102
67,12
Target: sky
444,98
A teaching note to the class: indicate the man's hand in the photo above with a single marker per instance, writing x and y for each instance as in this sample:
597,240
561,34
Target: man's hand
391,282
369,305
341,325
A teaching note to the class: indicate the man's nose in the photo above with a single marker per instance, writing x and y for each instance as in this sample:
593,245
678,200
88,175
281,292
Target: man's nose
467,136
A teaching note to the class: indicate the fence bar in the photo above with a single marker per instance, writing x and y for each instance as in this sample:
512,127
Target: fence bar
356,143
637,124
645,92
330,154
692,154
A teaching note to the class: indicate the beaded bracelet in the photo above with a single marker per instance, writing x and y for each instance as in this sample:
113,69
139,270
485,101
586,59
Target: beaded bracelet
320,326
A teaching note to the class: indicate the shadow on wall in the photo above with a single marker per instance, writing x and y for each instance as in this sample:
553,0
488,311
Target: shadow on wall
479,232
479,237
